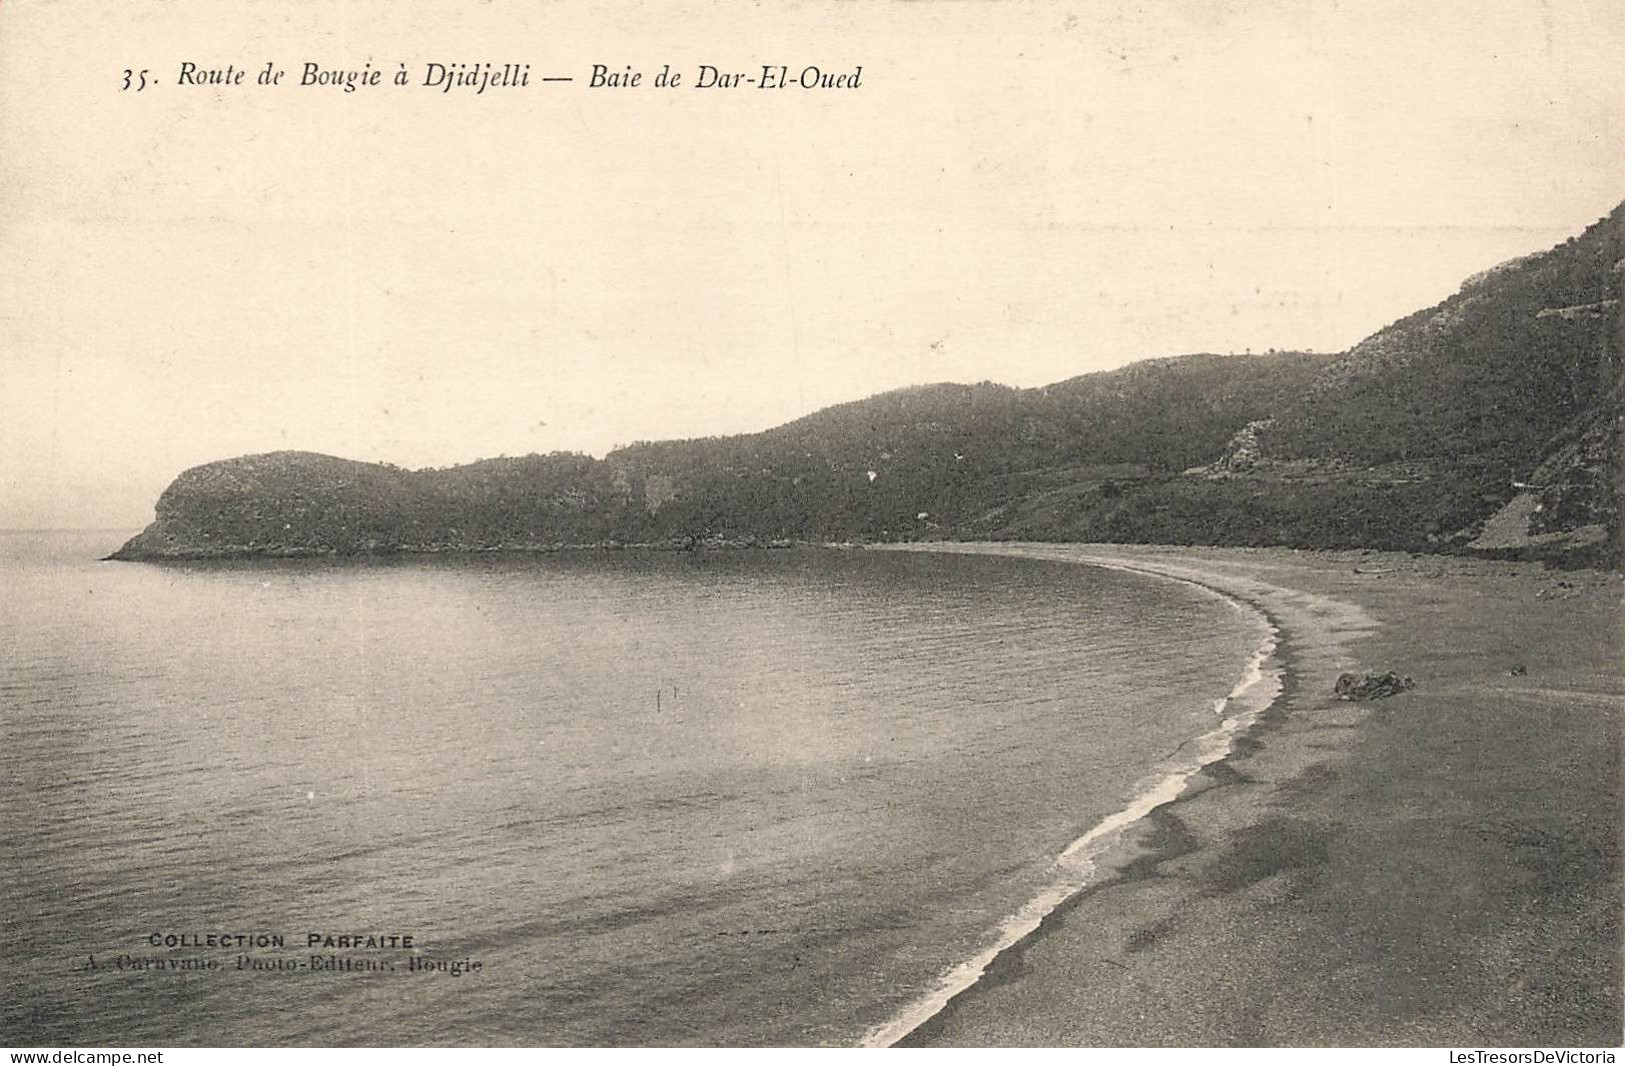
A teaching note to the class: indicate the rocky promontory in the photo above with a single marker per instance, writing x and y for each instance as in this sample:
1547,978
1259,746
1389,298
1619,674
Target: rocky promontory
290,504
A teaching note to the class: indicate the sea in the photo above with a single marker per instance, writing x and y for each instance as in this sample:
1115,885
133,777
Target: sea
777,797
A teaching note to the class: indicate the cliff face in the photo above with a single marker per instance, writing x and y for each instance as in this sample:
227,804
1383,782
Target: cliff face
1498,409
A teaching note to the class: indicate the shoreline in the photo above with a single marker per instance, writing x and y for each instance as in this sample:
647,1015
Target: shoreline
1115,835
1097,852
1298,890
129,552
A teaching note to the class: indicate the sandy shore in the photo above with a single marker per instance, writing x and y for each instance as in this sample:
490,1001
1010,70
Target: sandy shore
1438,868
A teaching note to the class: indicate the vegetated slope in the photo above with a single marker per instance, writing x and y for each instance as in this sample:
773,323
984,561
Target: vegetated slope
942,458
924,461
1494,374
1509,388
1489,422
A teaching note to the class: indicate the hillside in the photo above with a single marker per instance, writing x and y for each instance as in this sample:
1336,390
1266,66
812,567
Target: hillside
917,461
1488,423
1512,386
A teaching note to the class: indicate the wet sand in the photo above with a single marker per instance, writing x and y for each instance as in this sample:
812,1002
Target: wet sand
1438,868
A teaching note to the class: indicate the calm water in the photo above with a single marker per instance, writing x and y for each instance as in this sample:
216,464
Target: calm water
726,798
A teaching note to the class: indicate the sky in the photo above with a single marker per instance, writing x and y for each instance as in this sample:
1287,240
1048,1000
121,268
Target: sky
1019,192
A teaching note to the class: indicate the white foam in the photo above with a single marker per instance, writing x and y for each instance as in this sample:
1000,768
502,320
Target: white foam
1075,868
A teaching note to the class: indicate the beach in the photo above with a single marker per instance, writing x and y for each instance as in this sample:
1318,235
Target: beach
1438,868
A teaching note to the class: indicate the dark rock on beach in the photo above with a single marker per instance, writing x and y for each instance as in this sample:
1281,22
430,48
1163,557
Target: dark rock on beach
1361,687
